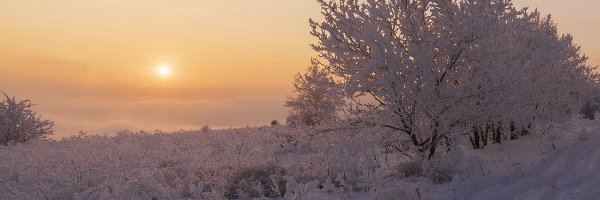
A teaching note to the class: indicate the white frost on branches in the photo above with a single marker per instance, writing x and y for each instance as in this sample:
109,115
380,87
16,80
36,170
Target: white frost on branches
435,67
19,124
316,99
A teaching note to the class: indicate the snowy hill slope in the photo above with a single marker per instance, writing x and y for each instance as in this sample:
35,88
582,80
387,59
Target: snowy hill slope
570,172
261,162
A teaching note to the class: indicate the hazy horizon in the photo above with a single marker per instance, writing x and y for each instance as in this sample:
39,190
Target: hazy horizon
92,65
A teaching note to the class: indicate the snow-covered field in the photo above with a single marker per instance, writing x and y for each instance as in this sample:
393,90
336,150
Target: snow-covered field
285,163
568,168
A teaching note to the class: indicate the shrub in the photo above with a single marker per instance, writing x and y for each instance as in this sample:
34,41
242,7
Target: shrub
257,182
411,169
205,128
589,110
437,174
19,124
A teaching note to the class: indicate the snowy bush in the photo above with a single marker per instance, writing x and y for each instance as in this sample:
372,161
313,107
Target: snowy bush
590,109
274,123
437,173
315,190
411,169
277,162
205,128
257,182
18,123
232,163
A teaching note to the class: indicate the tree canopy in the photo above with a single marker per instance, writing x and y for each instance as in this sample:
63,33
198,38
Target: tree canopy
433,68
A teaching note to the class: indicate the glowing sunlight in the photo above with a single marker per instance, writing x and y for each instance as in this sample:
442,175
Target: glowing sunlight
164,70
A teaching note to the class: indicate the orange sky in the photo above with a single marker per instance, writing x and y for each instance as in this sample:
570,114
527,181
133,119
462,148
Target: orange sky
92,64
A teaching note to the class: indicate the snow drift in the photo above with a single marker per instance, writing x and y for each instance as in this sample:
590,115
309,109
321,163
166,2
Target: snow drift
571,172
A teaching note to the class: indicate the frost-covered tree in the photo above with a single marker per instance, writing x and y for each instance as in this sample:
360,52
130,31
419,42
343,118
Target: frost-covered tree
316,98
434,68
19,124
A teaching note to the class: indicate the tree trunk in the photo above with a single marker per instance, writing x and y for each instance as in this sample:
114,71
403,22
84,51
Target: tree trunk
475,140
498,134
434,141
513,134
486,135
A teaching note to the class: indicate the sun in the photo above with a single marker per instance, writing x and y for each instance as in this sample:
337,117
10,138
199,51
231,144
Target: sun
164,70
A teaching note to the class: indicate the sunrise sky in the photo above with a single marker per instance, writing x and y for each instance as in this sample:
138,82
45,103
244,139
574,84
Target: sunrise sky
94,64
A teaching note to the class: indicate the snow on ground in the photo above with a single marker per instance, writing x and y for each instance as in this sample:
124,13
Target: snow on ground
247,162
534,168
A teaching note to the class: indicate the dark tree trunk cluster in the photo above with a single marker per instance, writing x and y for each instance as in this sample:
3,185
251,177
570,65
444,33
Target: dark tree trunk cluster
482,134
